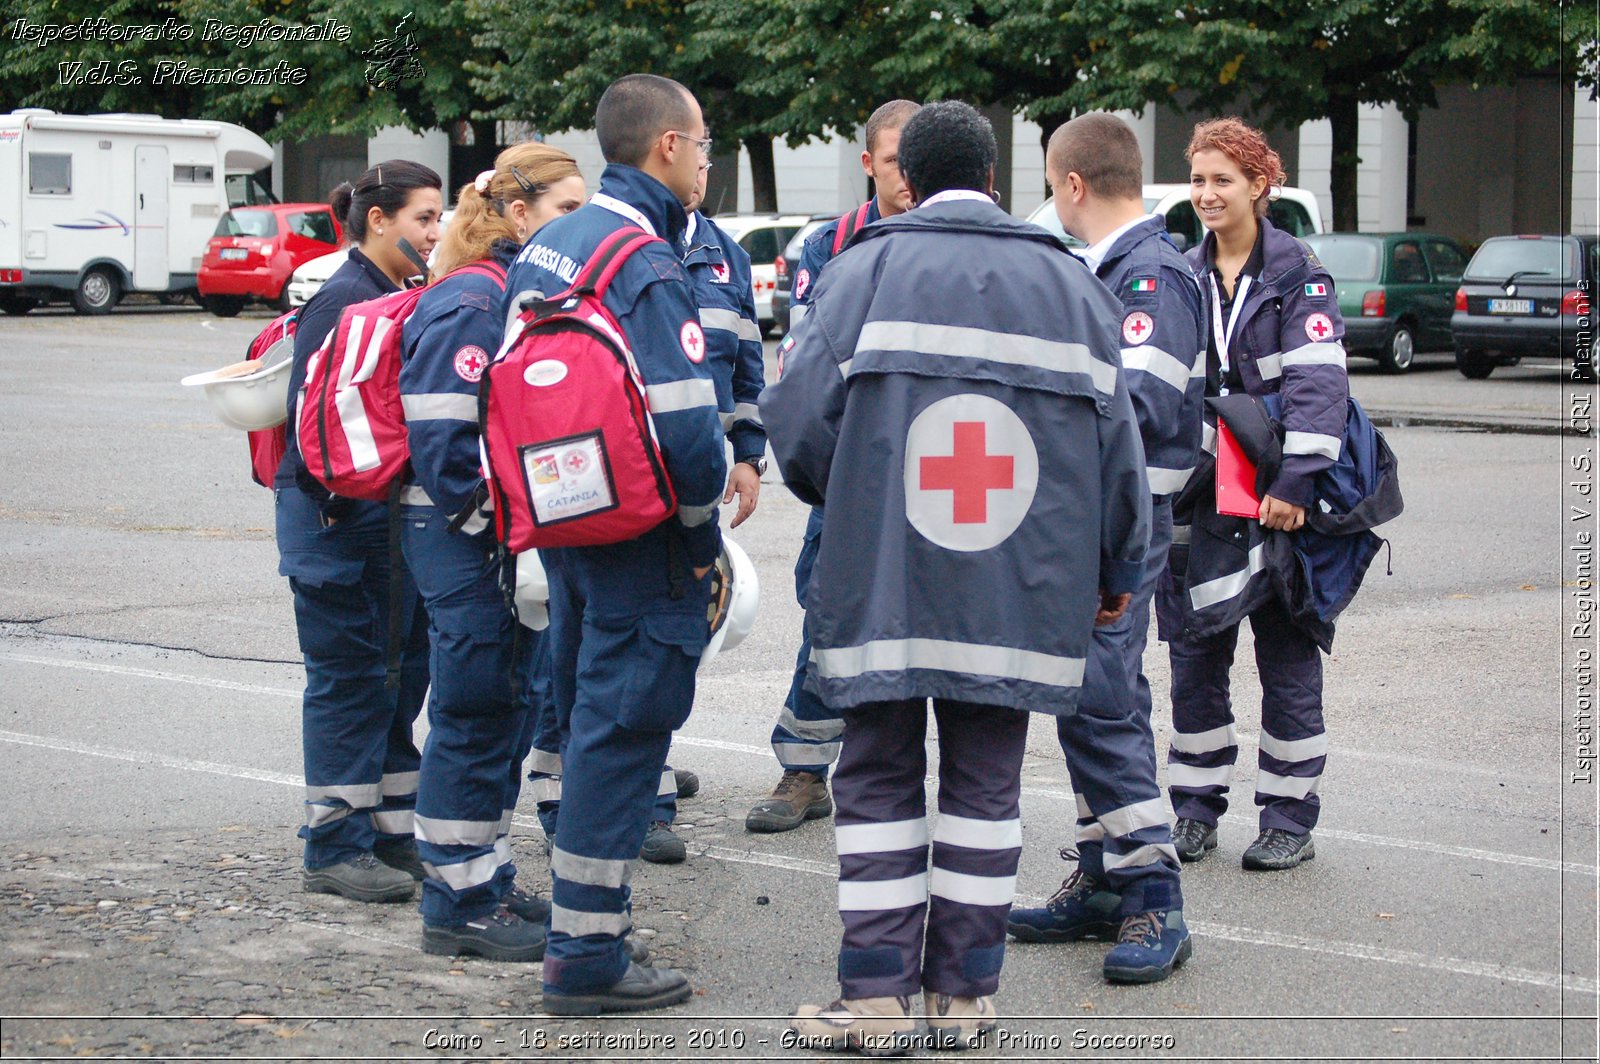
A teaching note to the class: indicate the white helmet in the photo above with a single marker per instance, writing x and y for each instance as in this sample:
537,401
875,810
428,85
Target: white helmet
251,395
735,596
532,595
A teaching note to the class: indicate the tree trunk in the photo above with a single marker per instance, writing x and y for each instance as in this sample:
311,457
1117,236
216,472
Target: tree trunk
763,173
1344,116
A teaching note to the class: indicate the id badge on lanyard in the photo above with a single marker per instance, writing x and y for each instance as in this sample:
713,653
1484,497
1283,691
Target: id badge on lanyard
1223,335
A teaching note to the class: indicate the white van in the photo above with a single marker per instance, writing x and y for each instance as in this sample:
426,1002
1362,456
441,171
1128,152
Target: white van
1294,210
98,205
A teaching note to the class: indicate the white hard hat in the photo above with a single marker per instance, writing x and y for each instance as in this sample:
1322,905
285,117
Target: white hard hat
735,597
532,595
251,395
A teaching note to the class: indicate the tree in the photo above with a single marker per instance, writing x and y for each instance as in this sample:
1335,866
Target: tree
1307,61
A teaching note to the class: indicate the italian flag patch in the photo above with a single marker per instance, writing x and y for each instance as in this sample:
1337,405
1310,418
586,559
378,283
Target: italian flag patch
1145,284
1316,289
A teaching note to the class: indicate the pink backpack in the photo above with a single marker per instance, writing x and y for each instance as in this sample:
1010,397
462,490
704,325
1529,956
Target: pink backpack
569,448
352,426
267,445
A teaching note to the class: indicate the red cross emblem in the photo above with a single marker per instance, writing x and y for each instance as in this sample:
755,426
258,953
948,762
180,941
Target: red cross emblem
693,341
575,462
1318,327
719,270
1137,327
470,361
969,474
971,471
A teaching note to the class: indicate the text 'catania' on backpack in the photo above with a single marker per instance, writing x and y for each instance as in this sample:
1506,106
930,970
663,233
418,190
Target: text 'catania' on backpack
352,424
267,445
569,448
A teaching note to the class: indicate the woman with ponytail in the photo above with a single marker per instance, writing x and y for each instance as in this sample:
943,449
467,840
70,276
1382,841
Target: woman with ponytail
485,675
360,760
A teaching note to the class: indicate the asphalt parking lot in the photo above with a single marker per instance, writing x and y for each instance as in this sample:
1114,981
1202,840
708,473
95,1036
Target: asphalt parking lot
150,902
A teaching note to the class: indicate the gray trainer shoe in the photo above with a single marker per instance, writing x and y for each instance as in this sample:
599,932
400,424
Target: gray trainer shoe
361,878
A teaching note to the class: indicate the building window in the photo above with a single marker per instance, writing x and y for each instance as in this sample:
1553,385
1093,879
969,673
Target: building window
49,174
185,174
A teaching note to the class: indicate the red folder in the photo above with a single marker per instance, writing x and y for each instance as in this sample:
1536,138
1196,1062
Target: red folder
1236,477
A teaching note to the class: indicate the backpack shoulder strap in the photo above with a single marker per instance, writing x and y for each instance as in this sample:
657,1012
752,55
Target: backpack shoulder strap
850,223
608,258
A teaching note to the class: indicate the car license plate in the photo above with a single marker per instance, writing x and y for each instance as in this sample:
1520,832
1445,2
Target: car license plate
1510,306
244,253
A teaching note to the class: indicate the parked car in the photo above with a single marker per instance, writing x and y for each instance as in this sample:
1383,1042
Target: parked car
256,249
1295,211
763,237
310,276
1396,291
1526,295
785,266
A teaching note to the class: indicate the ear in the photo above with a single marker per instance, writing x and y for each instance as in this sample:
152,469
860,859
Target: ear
375,218
866,163
989,180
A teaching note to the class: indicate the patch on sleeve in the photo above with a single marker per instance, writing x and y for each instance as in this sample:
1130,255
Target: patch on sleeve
693,341
721,273
477,300
667,269
802,281
1317,290
783,349
1143,284
1138,327
470,363
1319,327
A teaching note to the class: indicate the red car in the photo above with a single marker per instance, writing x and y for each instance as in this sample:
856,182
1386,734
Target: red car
256,249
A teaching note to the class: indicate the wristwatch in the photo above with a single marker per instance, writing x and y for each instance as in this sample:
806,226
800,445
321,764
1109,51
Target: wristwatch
758,463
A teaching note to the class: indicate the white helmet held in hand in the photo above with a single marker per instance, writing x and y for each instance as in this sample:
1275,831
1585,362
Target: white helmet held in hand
532,595
251,395
735,596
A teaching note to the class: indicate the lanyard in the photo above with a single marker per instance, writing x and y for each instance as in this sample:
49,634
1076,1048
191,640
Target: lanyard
1223,336
616,206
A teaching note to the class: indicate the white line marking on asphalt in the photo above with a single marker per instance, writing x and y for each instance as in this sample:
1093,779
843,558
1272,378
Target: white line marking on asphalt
141,757
1365,838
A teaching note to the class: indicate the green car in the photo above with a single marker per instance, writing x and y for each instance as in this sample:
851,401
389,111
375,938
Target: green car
1396,291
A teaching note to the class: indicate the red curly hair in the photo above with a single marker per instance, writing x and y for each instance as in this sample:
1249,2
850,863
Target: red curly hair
1248,149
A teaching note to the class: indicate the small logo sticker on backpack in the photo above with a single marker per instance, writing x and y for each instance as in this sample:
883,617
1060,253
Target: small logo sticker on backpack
470,361
545,372
693,341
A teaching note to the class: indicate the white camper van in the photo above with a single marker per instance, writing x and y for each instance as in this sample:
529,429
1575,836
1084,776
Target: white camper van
98,205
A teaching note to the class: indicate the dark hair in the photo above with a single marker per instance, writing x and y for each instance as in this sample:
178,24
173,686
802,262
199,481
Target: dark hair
634,111
1101,149
386,186
891,115
947,145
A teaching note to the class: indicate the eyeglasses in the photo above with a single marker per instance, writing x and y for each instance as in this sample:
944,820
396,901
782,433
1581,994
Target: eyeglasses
703,143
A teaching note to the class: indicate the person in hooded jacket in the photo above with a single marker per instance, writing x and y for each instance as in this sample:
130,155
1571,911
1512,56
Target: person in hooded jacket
479,714
1273,332
350,588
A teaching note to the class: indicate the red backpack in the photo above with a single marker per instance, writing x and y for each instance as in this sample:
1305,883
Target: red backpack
570,451
267,445
352,425
849,225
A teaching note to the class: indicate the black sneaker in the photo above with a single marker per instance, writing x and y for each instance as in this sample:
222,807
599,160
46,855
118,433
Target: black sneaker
400,854
1193,839
500,936
525,905
640,988
1275,850
688,782
361,878
661,846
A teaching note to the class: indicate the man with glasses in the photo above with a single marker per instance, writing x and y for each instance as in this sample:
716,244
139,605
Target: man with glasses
628,620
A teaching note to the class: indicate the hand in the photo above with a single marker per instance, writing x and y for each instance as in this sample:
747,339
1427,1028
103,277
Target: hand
744,482
700,573
1111,608
1281,516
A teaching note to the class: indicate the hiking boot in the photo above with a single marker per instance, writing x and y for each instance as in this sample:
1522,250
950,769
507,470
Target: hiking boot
1148,947
1082,908
500,936
526,906
1276,849
959,1022
361,878
401,854
877,1027
1193,839
638,952
639,989
661,846
798,797
688,782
